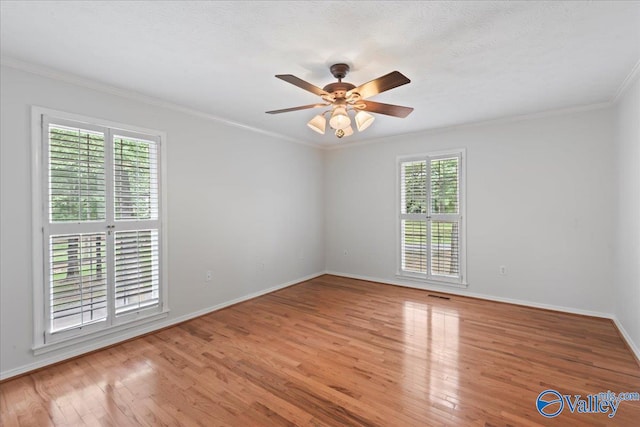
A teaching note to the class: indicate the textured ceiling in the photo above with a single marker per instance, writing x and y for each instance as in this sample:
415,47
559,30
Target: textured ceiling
468,61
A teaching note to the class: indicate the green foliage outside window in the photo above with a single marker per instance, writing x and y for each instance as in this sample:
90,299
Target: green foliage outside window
444,186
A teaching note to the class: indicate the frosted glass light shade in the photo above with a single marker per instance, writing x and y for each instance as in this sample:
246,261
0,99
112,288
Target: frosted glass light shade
339,118
344,132
318,124
363,120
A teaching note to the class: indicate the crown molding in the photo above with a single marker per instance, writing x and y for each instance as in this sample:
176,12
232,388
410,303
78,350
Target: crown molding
113,90
135,96
626,83
482,123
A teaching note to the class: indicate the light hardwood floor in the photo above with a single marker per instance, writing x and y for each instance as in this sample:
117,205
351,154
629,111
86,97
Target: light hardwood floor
336,351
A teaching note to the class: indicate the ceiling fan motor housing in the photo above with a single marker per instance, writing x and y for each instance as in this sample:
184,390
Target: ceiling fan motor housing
339,89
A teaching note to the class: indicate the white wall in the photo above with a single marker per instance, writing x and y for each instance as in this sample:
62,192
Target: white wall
539,201
627,244
236,199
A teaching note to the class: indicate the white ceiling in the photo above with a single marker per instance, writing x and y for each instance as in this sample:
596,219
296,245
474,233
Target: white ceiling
468,61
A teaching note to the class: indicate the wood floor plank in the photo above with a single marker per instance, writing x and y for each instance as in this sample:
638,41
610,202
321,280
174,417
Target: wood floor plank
335,351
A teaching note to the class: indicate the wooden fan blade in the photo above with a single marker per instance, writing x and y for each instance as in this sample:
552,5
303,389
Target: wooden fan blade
301,84
388,109
381,84
302,107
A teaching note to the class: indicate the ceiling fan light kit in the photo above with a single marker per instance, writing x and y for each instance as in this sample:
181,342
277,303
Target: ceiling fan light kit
339,118
346,131
342,98
318,124
363,120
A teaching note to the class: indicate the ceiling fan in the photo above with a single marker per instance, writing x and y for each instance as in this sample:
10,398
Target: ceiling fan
341,98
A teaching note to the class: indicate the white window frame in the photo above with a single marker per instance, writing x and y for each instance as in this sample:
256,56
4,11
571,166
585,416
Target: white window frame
427,277
43,341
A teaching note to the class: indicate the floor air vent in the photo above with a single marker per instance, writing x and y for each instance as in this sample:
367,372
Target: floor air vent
438,296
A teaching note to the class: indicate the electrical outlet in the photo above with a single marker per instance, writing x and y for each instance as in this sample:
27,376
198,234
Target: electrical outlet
208,276
346,252
502,270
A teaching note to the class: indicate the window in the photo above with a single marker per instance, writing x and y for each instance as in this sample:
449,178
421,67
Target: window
431,218
100,227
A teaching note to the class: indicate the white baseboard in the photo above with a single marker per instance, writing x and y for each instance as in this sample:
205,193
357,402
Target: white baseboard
457,291
634,348
129,334
108,341
465,293
247,297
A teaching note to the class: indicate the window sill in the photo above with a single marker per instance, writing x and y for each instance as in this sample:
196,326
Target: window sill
41,348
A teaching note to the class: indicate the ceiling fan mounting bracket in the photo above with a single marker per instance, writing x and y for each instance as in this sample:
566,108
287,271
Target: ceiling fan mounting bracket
339,71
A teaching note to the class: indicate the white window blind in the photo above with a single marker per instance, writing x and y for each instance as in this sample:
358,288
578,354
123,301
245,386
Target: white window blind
101,227
136,179
76,174
78,282
430,217
137,270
